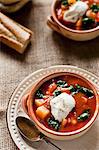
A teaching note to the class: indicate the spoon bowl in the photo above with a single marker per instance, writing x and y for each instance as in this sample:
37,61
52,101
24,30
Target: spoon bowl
29,131
27,128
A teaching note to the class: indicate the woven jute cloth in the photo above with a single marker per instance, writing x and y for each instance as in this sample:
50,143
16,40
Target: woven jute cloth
47,48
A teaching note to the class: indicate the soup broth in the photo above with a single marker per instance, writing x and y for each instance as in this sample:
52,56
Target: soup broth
80,115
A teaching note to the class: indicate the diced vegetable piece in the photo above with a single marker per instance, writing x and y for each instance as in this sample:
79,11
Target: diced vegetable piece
39,102
61,83
95,8
91,14
71,2
65,90
79,24
53,123
73,121
39,94
85,115
68,120
97,18
64,122
52,87
56,93
85,100
42,112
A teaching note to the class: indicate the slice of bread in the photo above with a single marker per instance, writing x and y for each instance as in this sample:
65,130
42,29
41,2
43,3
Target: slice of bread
4,7
13,34
7,2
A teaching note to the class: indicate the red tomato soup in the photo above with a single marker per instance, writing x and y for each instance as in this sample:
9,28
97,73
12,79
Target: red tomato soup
79,116
78,14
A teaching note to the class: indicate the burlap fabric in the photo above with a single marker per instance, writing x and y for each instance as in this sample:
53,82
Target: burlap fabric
47,48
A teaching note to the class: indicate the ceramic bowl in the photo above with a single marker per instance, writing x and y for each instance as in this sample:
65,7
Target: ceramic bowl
67,32
54,134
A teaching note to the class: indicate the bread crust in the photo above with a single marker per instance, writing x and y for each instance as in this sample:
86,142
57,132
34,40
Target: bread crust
7,2
14,34
13,8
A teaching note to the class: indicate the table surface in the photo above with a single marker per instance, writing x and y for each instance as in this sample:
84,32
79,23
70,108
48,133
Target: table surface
47,48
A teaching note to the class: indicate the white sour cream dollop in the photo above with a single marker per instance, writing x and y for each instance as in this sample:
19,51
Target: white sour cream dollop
77,10
61,106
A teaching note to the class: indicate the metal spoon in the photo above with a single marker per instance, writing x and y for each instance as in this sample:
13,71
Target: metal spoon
28,129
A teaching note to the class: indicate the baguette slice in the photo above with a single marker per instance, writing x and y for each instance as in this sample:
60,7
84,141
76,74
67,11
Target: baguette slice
13,7
7,2
13,34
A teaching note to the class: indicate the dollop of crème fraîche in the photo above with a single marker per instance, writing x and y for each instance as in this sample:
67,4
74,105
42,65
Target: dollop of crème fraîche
75,11
61,106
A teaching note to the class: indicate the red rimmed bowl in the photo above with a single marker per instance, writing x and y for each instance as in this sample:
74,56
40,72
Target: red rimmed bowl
76,35
55,134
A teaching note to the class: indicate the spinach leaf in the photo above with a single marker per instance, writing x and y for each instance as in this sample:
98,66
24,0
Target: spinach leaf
72,89
85,115
87,22
65,2
56,93
61,83
39,94
95,8
86,91
53,123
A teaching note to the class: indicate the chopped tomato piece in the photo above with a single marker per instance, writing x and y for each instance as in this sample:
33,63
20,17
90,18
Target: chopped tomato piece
52,87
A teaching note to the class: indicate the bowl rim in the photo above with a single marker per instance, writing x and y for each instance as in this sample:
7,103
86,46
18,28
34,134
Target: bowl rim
40,125
66,28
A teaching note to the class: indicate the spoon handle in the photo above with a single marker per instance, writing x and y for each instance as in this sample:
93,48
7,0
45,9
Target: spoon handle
48,141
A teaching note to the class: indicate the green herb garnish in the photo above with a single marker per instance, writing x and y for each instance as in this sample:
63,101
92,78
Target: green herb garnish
61,83
39,94
53,123
95,8
64,2
86,91
87,22
85,115
56,93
